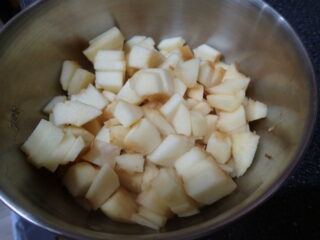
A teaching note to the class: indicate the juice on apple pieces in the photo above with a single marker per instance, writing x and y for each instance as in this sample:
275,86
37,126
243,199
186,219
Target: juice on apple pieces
154,132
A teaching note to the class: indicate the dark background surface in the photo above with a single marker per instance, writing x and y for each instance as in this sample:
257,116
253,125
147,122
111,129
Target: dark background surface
294,211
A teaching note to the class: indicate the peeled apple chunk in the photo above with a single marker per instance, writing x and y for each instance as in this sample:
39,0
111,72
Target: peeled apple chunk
57,99
130,162
244,147
188,72
110,40
155,117
170,107
127,114
171,148
143,137
206,183
111,80
170,189
74,112
67,72
79,177
205,52
226,102
255,110
132,181
219,145
141,57
105,183
153,217
80,79
229,121
171,43
120,206
182,120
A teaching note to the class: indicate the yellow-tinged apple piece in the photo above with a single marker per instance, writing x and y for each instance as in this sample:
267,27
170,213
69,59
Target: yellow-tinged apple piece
120,206
196,92
170,107
202,107
127,114
133,41
93,126
80,132
226,102
102,187
102,153
74,112
244,147
205,52
143,137
212,126
132,181
172,60
255,110
79,177
147,43
57,99
91,96
128,94
188,72
181,120
170,189
110,80
151,200
179,87
109,40
229,121
110,60
155,117
241,129
199,125
80,79
150,173
110,96
171,148
170,44
104,135
67,72
153,217
219,146
44,139
138,219
112,122
118,134
166,79
141,57
130,162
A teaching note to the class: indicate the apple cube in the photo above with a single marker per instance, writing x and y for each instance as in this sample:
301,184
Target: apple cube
93,126
188,72
170,107
130,180
112,122
110,96
102,153
91,96
172,61
170,44
202,107
110,80
147,43
219,146
103,186
244,147
79,177
138,219
150,173
166,78
182,120
205,52
255,110
57,99
190,102
196,92
80,79
108,111
170,189
80,132
133,41
143,137
68,70
186,53
199,125
103,135
120,206
128,94
171,148
241,129
179,87
207,183
185,162
151,200
42,142
141,57
130,162
227,103
155,117
229,121
74,112
110,40
212,126
153,217
110,60
127,114
117,135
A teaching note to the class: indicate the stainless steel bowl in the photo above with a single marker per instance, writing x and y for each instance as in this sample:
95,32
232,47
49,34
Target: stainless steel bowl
35,43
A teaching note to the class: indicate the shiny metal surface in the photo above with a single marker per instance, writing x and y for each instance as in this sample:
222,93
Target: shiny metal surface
33,46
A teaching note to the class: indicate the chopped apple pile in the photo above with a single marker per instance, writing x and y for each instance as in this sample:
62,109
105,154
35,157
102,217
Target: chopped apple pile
154,132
